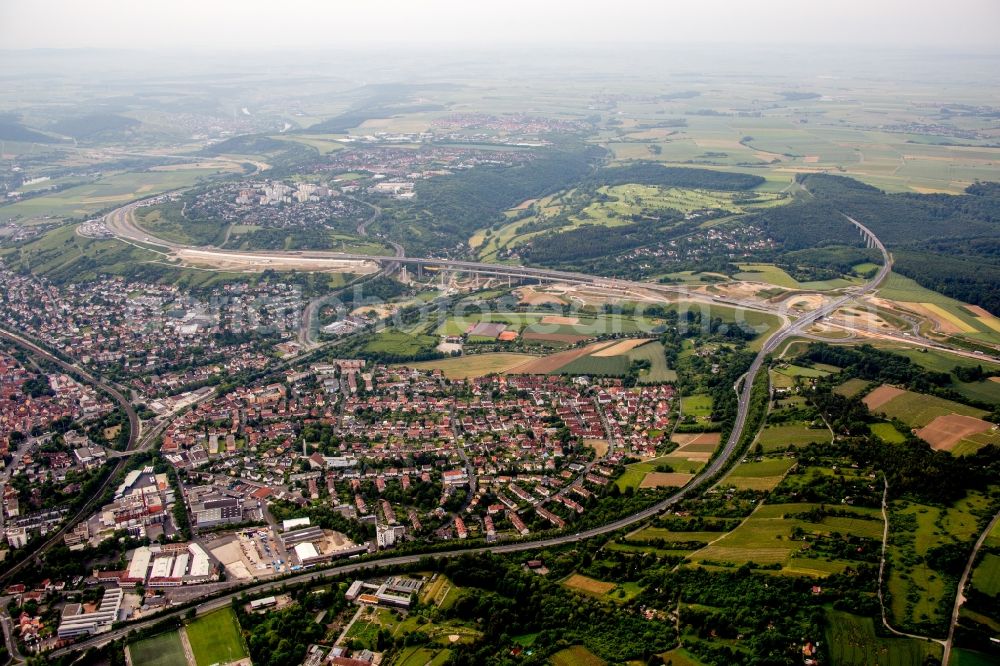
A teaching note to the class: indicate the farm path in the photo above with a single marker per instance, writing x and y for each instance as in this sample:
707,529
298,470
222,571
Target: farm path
881,572
960,594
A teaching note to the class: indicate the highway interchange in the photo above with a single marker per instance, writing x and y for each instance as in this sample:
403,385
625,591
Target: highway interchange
121,223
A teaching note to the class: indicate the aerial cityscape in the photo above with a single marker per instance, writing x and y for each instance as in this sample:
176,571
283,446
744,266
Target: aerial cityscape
406,334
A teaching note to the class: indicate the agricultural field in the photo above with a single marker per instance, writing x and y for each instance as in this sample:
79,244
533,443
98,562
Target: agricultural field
577,655
963,657
636,474
771,274
216,639
887,433
698,406
658,371
323,143
916,409
986,577
611,206
395,343
780,437
680,657
615,360
762,474
422,656
475,365
586,585
939,361
440,592
851,387
947,315
765,538
919,593
106,192
162,650
852,641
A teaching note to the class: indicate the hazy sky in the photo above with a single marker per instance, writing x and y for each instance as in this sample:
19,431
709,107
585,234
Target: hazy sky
312,24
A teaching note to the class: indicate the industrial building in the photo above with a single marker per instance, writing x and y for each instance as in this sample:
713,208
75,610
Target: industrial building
75,622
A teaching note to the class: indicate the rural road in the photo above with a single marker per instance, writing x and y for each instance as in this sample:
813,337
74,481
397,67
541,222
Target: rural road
960,593
120,225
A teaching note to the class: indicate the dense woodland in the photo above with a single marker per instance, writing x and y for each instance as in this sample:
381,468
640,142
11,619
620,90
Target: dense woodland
449,209
947,243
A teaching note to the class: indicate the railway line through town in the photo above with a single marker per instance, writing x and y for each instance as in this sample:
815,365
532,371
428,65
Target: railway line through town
119,222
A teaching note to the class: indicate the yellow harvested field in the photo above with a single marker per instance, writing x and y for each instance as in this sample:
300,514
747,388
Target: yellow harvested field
697,438
588,585
562,321
621,347
992,322
475,365
984,317
944,321
665,479
881,395
693,456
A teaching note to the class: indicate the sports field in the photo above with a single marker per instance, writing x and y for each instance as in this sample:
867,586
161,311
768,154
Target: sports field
215,638
162,650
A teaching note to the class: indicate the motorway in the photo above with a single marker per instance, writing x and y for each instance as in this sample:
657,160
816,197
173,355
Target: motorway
119,222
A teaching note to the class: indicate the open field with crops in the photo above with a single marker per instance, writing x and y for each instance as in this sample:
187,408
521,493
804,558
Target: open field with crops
475,365
917,409
106,192
853,642
765,538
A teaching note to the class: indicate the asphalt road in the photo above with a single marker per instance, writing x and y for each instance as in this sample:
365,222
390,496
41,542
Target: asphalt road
133,443
139,440
718,463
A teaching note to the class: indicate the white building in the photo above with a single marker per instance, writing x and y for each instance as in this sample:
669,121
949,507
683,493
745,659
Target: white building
77,623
